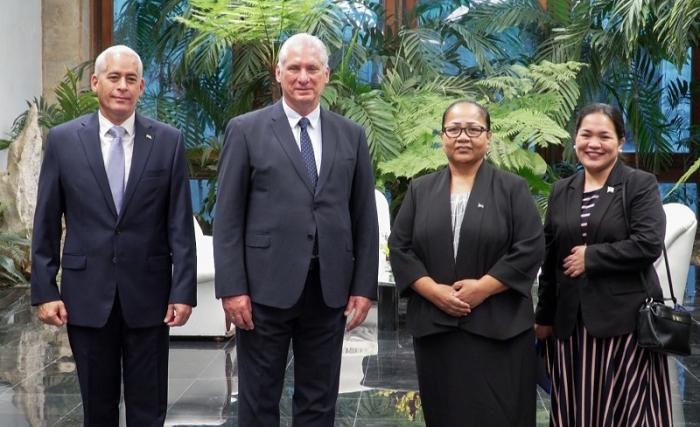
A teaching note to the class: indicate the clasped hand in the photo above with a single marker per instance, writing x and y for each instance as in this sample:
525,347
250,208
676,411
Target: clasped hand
459,299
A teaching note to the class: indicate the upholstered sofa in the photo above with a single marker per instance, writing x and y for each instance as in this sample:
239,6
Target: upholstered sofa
207,317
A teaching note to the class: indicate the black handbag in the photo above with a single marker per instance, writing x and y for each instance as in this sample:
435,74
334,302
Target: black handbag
661,328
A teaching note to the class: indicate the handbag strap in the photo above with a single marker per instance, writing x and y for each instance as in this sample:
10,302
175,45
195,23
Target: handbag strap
629,232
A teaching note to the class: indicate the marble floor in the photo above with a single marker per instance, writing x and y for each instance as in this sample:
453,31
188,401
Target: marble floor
39,387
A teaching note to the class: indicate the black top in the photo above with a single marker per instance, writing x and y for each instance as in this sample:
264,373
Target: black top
501,235
610,291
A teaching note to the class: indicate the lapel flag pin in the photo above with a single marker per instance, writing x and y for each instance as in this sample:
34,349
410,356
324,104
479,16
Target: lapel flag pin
479,205
148,136
611,189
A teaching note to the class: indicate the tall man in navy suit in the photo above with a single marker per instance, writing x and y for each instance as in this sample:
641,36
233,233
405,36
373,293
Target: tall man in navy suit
119,181
295,241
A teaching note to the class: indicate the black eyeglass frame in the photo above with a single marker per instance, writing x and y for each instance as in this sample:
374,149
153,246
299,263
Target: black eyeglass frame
466,131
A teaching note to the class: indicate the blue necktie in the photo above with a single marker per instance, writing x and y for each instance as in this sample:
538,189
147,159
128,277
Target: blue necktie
307,152
115,166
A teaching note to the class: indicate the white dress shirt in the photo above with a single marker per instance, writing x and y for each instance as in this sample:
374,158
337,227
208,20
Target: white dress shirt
314,130
127,141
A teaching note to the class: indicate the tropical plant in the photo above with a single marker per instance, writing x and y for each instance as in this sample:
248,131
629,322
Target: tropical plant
624,44
72,101
14,259
529,108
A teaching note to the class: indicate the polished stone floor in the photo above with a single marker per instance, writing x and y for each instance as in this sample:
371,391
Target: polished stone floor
38,385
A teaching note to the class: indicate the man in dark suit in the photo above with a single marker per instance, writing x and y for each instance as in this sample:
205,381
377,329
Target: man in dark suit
119,181
295,240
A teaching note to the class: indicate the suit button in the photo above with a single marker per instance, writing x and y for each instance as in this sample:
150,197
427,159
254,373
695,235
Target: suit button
114,260
310,236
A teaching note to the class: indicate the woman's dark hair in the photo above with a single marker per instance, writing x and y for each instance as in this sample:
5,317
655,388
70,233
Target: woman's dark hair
613,113
484,112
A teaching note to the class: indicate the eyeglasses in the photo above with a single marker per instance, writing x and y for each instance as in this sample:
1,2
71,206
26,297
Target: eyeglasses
471,131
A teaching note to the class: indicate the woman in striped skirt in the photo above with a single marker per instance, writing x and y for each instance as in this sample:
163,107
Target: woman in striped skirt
591,288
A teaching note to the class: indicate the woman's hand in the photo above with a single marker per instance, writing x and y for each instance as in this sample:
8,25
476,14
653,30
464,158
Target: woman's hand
446,300
575,264
442,296
542,332
470,291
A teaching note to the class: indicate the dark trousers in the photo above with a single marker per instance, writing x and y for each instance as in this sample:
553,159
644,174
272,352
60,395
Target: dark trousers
100,354
316,333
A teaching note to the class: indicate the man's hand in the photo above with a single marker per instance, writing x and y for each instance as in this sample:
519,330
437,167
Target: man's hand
53,313
177,314
239,310
359,307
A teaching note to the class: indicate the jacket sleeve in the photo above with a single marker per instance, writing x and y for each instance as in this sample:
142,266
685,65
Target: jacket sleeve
181,231
517,268
365,227
47,230
229,219
647,223
406,265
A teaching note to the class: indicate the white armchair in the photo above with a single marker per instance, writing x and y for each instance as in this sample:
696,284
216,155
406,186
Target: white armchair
384,231
207,317
680,236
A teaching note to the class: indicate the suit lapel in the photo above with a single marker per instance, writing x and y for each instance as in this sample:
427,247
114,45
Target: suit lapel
609,192
144,138
572,208
479,199
285,137
329,141
89,135
440,214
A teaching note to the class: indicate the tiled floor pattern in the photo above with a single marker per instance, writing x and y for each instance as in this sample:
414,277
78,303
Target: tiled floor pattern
38,385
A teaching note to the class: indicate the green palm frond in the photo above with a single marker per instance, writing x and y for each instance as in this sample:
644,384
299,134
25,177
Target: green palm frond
494,18
678,27
507,156
246,21
419,53
422,156
484,46
14,253
633,16
376,116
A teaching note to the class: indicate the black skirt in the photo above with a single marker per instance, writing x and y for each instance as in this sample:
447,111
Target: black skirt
470,380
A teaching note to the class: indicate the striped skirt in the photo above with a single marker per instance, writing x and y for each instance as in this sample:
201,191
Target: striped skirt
607,382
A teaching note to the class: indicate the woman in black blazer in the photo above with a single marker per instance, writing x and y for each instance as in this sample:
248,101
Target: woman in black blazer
590,289
465,247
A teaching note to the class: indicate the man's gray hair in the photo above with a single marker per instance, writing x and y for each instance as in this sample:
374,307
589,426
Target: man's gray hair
303,40
120,49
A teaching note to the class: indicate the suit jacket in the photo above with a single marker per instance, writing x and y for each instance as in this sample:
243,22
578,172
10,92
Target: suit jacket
610,292
267,213
146,254
501,235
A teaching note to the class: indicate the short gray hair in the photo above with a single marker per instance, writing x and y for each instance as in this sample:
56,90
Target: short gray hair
303,40
120,49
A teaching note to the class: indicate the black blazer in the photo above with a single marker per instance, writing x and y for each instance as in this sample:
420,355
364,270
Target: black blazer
147,253
611,291
501,235
267,213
